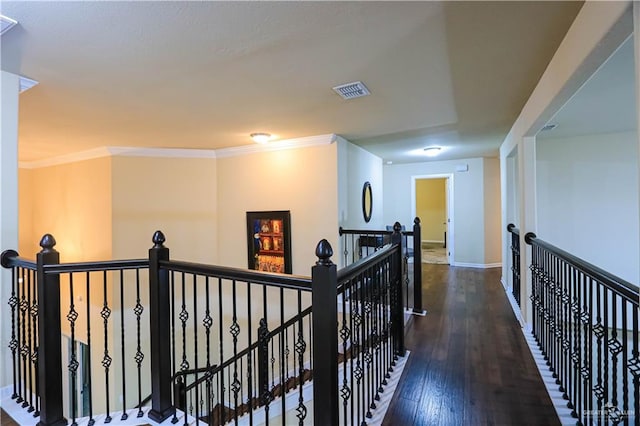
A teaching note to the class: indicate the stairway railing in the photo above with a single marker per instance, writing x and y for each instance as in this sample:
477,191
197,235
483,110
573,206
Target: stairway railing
359,243
585,321
515,261
161,319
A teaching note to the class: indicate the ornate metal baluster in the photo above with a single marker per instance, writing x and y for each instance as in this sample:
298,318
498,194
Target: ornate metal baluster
13,343
606,351
207,322
106,359
139,357
122,350
345,334
599,332
222,391
29,344
72,316
235,330
300,348
634,363
585,318
356,309
249,357
34,342
625,364
195,342
615,347
25,351
88,360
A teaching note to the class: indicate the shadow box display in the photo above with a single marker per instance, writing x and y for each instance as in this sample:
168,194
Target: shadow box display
269,241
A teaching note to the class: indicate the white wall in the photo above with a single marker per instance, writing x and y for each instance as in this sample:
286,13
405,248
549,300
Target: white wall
355,167
587,199
8,202
468,203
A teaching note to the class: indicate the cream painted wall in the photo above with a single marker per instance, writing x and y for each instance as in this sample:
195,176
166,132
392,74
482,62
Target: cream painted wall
431,208
303,181
468,203
492,212
174,195
73,203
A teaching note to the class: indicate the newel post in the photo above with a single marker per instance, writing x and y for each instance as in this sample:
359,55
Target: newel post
324,277
159,317
417,267
397,307
49,336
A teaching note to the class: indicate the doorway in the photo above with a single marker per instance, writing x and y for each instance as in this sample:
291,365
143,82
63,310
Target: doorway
432,197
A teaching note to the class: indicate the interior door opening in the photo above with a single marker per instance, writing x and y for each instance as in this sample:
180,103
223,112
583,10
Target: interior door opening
431,202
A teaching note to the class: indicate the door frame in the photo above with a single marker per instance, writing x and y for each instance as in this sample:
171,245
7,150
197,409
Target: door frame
449,207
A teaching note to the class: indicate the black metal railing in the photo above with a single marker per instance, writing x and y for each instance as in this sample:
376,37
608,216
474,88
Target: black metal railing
215,319
217,343
515,261
358,243
585,321
369,336
85,293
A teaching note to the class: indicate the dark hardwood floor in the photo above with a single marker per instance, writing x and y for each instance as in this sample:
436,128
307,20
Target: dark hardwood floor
5,420
469,362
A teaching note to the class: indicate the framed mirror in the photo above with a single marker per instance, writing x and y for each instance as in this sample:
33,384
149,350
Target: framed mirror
367,201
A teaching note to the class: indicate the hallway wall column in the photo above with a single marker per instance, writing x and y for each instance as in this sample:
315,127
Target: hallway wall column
527,219
10,84
636,50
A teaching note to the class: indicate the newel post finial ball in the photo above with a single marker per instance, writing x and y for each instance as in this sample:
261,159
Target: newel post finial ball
324,253
397,227
158,239
47,242
416,221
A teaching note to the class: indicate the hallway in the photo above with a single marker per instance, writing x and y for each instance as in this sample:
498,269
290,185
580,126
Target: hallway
469,362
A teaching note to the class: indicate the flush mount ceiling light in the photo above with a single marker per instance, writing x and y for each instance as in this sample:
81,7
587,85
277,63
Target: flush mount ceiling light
431,151
260,137
6,24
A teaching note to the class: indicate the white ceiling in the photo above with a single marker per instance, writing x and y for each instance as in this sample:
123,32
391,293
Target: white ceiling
206,74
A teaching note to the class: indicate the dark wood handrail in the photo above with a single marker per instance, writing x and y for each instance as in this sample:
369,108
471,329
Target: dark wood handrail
343,231
512,228
363,264
107,265
612,282
295,282
11,259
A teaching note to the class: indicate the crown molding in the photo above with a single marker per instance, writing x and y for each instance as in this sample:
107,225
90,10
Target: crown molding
277,145
119,151
67,158
161,152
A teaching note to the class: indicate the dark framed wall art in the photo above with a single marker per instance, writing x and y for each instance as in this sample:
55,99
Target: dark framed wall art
269,241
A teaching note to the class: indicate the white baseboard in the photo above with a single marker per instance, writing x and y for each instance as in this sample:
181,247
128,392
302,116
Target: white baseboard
433,241
476,265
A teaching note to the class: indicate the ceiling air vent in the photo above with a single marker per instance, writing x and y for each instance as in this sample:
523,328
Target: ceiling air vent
6,24
353,90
